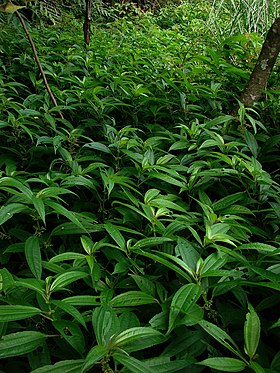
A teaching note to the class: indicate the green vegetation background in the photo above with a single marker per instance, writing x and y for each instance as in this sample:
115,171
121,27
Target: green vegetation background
141,232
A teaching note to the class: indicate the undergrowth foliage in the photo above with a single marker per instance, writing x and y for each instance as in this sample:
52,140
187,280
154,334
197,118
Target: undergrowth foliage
140,233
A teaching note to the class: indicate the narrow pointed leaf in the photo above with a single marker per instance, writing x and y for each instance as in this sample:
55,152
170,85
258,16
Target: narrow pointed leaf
33,256
252,330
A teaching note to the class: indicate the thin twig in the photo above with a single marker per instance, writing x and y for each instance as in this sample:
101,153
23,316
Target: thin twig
38,62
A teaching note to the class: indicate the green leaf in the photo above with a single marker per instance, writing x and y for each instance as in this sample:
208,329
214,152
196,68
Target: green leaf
105,323
182,301
132,364
227,201
150,241
94,356
6,280
163,364
257,368
15,312
83,300
71,310
20,343
33,284
7,212
65,366
224,364
262,248
71,333
66,256
65,279
252,330
98,146
132,298
60,210
221,336
116,235
33,256
137,338
40,207
166,263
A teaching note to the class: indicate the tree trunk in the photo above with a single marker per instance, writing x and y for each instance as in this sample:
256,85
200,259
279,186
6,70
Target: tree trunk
267,58
87,22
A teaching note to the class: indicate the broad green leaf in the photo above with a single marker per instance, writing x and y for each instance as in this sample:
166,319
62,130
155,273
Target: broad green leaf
60,210
66,256
221,336
132,298
87,243
163,364
227,201
71,228
33,256
20,343
252,330
224,364
213,262
192,316
150,195
65,279
53,192
188,253
166,179
98,146
144,284
71,333
116,235
71,310
182,301
166,263
33,284
257,368
150,241
7,212
65,366
83,300
6,280
40,207
12,182
15,312
260,247
105,323
94,356
137,338
132,364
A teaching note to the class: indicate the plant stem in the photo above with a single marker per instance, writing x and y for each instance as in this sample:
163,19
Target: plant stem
38,62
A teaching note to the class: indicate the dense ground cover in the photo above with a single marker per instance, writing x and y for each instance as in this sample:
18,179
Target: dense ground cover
141,232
